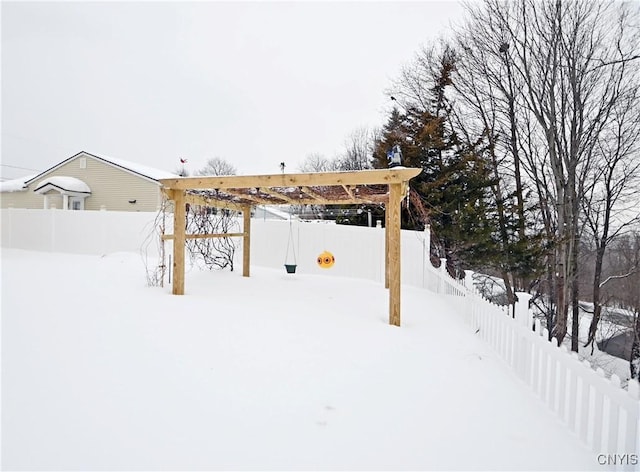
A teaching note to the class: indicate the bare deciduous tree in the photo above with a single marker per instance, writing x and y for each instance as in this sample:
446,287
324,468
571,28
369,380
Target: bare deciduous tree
611,197
217,166
571,65
316,162
358,151
182,171
488,96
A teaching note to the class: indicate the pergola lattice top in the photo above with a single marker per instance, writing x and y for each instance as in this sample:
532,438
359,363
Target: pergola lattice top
323,188
304,195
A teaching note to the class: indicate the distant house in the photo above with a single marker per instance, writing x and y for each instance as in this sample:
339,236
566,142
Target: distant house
88,182
264,212
619,345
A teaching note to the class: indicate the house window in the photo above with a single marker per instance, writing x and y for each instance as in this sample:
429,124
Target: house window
83,162
76,203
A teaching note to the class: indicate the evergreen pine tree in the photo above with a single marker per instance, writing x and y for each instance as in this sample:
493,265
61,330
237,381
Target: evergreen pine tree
455,182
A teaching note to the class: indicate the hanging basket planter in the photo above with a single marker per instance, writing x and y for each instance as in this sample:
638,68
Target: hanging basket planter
291,268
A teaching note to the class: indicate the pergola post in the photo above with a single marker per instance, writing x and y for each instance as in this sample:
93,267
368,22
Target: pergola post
386,245
393,251
246,240
179,230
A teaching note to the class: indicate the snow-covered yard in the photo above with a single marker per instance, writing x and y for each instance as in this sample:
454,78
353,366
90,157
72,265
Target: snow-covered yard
274,371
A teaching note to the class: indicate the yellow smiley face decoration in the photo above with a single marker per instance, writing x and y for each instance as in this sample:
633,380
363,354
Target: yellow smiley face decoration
326,260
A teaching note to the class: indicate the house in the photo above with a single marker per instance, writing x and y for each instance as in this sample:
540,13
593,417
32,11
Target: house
264,212
88,182
619,345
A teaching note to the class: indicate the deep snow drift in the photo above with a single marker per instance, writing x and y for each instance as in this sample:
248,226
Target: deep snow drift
274,371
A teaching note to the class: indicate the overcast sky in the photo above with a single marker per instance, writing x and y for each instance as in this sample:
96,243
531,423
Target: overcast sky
253,83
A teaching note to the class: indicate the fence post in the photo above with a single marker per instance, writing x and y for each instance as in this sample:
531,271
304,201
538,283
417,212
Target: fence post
468,284
9,213
427,240
426,252
443,270
522,348
468,280
103,227
523,317
52,228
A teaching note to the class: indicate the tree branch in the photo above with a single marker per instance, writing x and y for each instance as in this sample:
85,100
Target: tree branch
612,277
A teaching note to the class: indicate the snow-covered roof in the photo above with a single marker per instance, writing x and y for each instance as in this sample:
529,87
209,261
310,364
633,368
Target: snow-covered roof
15,185
283,215
62,182
151,172
139,169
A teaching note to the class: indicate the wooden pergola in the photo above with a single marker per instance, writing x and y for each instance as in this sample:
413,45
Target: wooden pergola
381,186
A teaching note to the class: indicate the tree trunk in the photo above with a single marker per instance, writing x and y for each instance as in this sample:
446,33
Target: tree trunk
574,253
597,306
560,327
515,152
575,311
551,313
634,362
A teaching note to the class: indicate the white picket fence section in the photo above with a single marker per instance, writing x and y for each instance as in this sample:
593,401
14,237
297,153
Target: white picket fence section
601,413
598,410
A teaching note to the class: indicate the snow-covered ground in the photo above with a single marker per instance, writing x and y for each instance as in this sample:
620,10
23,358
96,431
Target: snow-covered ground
274,371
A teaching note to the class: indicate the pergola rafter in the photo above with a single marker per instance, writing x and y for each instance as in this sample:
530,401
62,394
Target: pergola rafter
349,190
382,186
315,195
252,196
286,199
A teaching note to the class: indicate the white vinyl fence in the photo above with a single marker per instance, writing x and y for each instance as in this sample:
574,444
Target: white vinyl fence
604,415
77,232
359,251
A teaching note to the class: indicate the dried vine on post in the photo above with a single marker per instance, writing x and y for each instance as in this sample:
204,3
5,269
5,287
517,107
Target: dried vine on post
155,272
215,252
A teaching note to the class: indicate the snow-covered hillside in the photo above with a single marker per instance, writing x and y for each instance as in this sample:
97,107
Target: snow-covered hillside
274,371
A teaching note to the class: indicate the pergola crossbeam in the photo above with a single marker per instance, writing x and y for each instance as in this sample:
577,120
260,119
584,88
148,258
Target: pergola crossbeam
169,237
314,179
